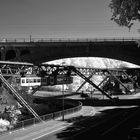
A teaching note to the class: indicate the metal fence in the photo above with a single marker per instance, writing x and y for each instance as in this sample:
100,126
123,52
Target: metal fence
69,39
47,117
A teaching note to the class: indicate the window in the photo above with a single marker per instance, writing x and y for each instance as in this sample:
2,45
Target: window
31,80
23,81
35,80
38,80
27,80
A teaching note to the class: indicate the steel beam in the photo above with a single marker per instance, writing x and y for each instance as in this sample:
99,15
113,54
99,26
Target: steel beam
102,82
129,77
90,82
20,98
84,83
119,81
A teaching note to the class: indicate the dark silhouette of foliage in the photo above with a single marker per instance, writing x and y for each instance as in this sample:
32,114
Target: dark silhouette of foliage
125,12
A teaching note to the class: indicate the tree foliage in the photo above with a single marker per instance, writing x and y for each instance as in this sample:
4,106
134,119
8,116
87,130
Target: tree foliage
125,12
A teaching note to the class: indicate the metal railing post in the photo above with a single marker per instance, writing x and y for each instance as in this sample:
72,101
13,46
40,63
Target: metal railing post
22,124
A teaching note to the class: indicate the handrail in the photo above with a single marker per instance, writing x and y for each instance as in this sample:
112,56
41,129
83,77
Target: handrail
46,117
57,114
6,40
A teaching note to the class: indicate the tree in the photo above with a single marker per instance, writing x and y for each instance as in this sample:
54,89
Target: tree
125,12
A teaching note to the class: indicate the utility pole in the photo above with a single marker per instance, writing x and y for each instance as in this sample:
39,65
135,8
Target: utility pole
63,63
62,102
30,37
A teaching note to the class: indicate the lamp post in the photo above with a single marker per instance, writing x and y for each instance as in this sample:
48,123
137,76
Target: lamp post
62,102
63,63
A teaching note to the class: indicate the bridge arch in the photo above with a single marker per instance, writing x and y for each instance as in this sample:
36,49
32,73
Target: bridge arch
128,52
92,62
10,54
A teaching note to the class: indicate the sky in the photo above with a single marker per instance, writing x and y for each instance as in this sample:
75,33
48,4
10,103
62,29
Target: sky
59,19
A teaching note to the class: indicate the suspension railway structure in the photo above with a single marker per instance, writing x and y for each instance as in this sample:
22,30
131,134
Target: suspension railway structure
52,72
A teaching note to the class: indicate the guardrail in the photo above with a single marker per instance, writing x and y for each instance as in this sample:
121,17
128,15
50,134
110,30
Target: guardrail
47,117
5,40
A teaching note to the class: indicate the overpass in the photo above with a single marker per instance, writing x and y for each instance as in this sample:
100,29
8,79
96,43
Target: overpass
40,50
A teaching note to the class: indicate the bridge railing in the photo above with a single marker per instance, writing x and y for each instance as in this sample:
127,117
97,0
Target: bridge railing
47,117
5,40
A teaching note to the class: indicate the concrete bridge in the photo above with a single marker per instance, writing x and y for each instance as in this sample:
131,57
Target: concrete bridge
38,51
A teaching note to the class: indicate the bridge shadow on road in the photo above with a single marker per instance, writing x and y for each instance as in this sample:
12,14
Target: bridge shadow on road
93,127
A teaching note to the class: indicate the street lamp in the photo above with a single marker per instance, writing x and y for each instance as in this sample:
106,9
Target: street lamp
62,102
63,63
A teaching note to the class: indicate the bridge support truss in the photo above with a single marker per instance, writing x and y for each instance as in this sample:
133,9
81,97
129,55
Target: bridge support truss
15,69
19,98
103,83
108,73
90,82
115,77
48,69
71,70
84,83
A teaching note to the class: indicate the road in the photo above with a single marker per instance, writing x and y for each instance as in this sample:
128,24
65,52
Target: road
104,124
93,122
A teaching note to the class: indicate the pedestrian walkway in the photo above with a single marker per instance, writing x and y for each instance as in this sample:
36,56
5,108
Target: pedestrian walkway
45,128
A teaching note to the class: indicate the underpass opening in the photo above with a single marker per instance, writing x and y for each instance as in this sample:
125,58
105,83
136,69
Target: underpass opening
10,54
93,62
90,62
